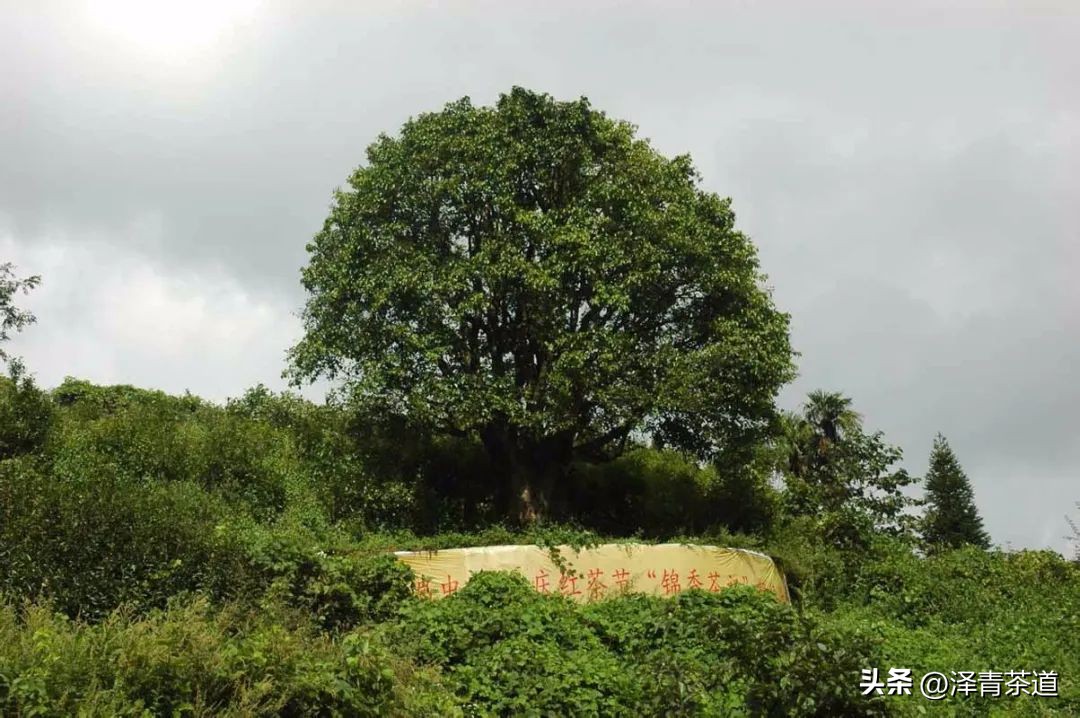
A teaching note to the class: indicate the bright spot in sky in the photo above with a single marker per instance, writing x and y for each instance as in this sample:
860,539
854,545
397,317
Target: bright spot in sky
168,31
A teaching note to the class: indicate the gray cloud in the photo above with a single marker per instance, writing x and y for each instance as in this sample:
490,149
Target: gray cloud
909,173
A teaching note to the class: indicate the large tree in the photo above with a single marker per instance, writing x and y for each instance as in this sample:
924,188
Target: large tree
952,519
535,276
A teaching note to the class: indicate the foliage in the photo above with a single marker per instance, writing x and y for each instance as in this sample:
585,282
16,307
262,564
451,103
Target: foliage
836,472
332,448
195,661
148,436
534,276
336,584
952,519
547,333
235,561
506,649
13,319
971,609
25,414
92,544
659,493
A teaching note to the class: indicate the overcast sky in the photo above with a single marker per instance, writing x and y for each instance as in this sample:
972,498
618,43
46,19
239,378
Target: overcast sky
910,175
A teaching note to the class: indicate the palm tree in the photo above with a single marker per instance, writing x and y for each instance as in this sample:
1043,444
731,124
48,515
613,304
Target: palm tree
812,439
830,415
797,441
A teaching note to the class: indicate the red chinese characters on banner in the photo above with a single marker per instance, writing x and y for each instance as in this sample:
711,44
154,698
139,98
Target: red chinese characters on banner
568,585
449,586
665,571
596,587
670,582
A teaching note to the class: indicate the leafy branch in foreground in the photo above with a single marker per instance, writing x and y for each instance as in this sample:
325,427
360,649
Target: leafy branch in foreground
13,319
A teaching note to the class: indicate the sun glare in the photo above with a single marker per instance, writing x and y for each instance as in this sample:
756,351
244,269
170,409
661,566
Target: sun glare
168,31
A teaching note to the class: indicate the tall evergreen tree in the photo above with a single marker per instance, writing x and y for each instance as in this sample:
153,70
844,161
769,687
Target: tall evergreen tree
951,520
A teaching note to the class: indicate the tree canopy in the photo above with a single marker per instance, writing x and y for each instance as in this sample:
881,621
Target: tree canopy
536,276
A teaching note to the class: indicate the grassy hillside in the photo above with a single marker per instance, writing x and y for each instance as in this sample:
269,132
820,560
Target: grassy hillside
163,554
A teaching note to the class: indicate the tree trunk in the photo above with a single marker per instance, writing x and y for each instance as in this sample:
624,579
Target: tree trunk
529,472
531,506
532,484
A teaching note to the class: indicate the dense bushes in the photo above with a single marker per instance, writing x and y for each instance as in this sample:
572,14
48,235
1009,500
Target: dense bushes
235,560
975,610
25,415
336,584
156,438
663,493
369,472
506,649
499,648
195,661
90,544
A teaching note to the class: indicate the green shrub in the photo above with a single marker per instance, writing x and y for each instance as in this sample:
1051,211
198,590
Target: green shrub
253,525
83,400
969,609
90,545
522,677
159,440
191,660
506,649
663,493
360,468
339,586
703,652
490,608
25,415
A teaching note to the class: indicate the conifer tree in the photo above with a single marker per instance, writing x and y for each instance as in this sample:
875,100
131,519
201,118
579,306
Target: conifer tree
951,520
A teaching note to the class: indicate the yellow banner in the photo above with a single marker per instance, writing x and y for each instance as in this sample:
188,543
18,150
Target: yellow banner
594,573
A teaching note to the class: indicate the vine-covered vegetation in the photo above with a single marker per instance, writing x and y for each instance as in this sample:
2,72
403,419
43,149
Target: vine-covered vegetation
166,554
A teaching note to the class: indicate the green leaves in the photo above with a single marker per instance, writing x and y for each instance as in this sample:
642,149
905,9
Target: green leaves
505,648
196,660
13,319
842,476
533,271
